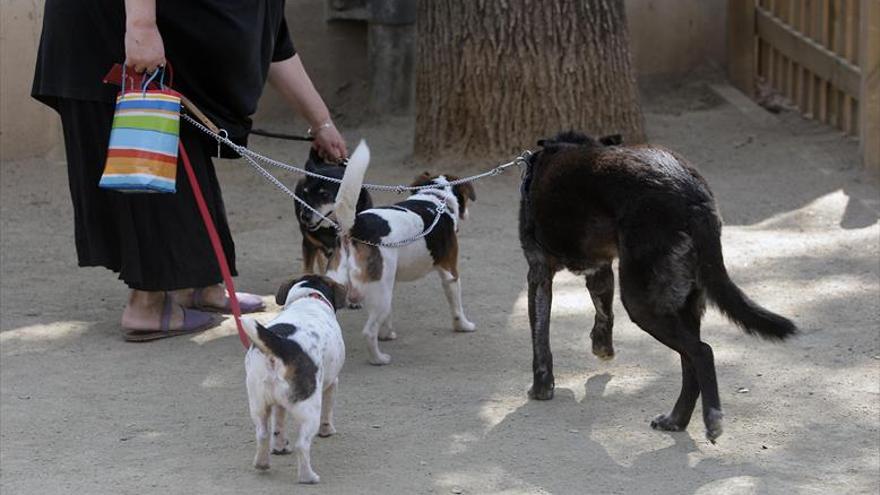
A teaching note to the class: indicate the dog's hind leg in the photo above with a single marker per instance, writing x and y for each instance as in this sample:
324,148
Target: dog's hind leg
677,331
386,329
540,299
327,429
600,283
307,415
280,443
452,289
260,416
680,416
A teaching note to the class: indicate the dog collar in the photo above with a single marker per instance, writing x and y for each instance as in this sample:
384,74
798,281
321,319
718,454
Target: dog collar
320,297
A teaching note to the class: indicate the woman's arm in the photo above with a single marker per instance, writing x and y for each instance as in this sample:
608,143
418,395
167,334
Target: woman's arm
290,79
144,50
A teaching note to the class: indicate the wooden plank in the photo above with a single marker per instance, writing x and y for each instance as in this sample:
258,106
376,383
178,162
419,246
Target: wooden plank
741,45
819,60
869,98
794,69
806,77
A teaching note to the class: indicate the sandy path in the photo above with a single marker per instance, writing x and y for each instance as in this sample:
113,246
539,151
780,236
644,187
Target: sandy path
84,412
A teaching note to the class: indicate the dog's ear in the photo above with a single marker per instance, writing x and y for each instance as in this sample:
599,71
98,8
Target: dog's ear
467,190
281,295
314,161
464,193
421,179
544,142
340,293
611,140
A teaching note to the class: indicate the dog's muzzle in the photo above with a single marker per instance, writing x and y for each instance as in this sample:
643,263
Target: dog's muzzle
312,221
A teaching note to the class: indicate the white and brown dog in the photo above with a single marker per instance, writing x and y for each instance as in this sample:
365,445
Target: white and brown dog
370,272
292,368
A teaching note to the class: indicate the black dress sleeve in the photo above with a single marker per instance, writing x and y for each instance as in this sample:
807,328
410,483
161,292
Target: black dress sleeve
284,48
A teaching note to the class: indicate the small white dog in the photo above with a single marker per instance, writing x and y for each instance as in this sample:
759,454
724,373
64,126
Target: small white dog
370,273
292,368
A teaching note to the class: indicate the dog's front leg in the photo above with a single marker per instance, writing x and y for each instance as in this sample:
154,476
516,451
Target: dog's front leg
309,254
540,300
280,443
600,283
452,289
371,338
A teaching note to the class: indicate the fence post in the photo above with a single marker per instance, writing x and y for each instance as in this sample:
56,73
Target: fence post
869,93
741,45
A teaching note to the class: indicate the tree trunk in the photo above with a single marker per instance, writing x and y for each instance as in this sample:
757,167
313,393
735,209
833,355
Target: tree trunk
495,76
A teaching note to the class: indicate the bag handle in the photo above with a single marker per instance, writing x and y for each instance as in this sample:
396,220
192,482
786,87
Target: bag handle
146,80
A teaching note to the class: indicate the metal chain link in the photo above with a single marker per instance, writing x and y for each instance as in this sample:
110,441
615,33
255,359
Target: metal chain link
441,208
252,157
400,188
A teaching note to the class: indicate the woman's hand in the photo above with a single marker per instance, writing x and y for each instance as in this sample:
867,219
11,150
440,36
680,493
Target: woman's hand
330,144
144,49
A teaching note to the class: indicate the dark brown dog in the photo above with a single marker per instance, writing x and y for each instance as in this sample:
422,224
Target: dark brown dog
585,202
318,237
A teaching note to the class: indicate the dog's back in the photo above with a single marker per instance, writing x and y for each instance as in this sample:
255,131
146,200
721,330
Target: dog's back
301,347
585,193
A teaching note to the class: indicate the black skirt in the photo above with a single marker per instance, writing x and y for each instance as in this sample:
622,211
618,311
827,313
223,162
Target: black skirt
154,241
221,51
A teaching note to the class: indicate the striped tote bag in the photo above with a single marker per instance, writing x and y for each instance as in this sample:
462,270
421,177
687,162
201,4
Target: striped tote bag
142,156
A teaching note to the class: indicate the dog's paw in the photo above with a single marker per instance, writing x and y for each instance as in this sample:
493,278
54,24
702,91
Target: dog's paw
463,325
309,478
283,450
713,424
380,360
354,305
388,336
326,430
664,422
261,464
605,352
541,393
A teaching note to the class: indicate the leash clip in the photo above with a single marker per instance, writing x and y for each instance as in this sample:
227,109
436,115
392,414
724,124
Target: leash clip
222,134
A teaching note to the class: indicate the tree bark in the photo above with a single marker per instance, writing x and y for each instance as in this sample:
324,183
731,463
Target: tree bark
493,76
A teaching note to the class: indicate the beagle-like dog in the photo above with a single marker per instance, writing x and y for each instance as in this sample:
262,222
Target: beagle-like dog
292,368
370,272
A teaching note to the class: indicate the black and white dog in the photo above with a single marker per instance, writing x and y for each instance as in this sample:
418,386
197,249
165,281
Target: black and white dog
370,272
293,367
585,202
318,237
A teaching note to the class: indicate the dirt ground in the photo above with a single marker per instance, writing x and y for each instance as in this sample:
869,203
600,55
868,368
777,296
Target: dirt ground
84,412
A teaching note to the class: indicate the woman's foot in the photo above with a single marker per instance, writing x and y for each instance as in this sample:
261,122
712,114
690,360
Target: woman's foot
155,315
214,298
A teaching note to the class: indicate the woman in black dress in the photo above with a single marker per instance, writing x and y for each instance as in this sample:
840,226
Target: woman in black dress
222,52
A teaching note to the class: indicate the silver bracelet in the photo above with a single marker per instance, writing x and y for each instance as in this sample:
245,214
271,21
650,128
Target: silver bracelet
314,132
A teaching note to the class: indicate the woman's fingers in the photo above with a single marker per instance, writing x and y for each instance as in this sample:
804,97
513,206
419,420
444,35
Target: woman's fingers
144,49
330,144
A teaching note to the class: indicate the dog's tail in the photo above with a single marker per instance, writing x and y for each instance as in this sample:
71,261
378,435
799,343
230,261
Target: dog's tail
266,341
751,317
350,189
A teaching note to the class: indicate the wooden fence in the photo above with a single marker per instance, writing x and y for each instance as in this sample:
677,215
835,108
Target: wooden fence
822,55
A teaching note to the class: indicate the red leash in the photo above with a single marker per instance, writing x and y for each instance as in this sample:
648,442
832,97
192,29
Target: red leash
215,243
117,76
